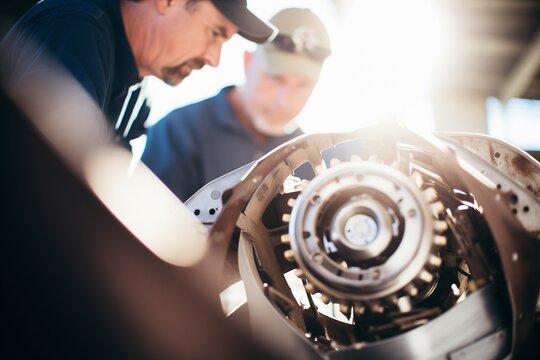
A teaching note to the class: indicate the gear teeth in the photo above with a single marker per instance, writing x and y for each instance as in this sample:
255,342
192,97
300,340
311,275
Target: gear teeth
435,261
286,217
404,304
430,195
418,180
291,202
355,157
345,309
300,273
440,226
359,309
425,276
411,290
285,239
335,161
376,308
289,254
440,240
344,264
437,208
325,299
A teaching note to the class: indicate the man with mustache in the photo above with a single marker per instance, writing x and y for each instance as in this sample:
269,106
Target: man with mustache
196,144
109,46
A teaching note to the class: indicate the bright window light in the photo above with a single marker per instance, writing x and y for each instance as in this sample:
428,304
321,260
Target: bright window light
379,70
517,122
381,67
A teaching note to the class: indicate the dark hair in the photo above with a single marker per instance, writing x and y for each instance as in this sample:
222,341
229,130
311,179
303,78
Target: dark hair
192,4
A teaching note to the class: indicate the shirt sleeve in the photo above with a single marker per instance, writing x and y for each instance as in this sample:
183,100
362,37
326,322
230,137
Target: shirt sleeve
171,153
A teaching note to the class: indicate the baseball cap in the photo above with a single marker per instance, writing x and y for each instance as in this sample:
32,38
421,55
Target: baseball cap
249,26
300,47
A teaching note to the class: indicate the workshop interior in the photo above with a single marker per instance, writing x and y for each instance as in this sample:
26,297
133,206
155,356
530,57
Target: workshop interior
381,241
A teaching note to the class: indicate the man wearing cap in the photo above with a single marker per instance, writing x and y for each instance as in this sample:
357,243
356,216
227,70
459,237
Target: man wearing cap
200,142
109,46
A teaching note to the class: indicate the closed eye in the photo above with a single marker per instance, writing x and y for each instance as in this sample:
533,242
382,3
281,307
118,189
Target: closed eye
219,31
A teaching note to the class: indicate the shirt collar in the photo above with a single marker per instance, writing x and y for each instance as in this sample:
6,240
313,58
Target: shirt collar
224,112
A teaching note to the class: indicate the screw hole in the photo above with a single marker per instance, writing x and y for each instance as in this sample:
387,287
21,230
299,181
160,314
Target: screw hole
497,155
212,211
525,209
197,212
513,198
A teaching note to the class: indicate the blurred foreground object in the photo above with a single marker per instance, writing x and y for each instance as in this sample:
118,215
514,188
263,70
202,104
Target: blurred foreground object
90,246
400,243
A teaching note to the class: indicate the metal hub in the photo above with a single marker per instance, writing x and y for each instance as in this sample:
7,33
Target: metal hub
362,232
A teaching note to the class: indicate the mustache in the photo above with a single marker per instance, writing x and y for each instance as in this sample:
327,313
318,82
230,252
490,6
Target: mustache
195,64
174,75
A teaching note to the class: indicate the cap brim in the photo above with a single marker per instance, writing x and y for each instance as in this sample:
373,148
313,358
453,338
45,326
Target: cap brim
249,26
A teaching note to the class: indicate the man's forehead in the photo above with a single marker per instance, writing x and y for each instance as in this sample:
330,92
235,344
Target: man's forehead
292,78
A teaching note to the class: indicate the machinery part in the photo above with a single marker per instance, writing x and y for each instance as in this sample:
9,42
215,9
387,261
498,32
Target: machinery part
400,244
362,232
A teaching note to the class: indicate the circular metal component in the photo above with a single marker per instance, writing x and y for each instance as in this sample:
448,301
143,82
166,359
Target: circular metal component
370,231
360,229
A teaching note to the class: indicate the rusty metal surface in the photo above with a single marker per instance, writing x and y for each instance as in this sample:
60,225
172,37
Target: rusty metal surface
520,252
518,246
512,171
514,162
519,249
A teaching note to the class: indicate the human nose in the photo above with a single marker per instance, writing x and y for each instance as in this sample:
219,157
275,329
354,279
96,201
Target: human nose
283,95
213,54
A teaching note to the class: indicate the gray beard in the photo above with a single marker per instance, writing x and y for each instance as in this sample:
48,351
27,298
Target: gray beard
274,131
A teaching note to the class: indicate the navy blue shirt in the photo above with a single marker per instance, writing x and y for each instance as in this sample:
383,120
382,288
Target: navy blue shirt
88,38
198,143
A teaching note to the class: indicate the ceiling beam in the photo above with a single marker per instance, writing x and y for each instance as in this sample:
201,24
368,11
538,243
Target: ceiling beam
498,5
523,72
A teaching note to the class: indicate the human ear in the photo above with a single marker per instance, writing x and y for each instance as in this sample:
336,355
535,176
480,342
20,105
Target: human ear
247,60
163,6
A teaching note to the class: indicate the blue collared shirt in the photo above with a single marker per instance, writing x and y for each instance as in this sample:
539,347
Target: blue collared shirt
198,143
